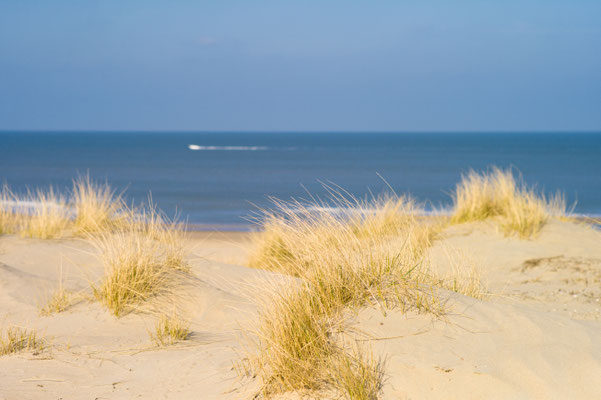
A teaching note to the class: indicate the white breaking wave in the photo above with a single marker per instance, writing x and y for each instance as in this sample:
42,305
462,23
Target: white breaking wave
238,148
28,204
31,206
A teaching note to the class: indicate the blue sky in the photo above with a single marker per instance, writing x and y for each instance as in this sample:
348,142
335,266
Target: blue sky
301,65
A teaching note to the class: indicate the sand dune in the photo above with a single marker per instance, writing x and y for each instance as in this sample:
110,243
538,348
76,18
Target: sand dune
535,337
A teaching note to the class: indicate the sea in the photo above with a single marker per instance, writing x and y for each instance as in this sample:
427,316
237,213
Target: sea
220,180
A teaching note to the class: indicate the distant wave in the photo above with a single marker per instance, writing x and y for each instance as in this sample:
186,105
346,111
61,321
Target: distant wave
27,204
222,148
366,210
31,206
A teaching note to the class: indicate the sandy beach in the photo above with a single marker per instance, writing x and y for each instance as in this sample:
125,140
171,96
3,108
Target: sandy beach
300,200
535,336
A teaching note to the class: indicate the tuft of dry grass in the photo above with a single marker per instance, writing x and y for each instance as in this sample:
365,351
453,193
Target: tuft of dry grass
97,207
143,259
497,193
8,220
16,339
57,302
170,330
295,233
46,214
347,257
357,376
45,217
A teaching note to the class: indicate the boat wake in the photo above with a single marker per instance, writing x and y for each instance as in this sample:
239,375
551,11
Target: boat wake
225,148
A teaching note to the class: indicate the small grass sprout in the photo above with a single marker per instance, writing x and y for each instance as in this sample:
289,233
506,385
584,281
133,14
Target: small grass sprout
15,340
170,330
57,302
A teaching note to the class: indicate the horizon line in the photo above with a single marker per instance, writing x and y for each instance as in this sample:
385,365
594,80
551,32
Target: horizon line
291,131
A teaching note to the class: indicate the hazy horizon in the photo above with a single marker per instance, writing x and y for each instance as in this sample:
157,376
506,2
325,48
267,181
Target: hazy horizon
342,132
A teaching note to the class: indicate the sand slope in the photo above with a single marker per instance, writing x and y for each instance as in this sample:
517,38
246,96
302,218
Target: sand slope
537,337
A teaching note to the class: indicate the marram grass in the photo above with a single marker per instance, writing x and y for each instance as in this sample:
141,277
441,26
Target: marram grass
97,207
143,259
48,219
48,214
370,253
519,209
57,302
170,330
8,220
15,339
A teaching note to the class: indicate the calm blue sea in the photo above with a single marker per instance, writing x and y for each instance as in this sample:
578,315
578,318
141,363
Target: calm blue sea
217,179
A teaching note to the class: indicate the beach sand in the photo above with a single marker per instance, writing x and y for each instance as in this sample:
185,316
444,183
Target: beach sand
536,336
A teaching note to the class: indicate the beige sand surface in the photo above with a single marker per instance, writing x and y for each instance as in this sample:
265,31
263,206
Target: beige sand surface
537,336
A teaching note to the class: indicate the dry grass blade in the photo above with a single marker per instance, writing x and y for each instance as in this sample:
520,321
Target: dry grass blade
16,339
464,275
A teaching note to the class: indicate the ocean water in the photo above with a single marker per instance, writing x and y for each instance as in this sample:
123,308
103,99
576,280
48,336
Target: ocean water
219,179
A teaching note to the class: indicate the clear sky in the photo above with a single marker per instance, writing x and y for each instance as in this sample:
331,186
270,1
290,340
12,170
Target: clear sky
500,65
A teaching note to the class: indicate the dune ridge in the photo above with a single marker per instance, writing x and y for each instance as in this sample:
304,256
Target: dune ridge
380,303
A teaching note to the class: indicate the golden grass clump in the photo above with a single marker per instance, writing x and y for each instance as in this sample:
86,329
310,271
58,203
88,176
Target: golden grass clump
298,350
8,220
520,210
16,339
296,233
295,345
358,376
362,254
47,214
170,330
97,207
143,258
46,218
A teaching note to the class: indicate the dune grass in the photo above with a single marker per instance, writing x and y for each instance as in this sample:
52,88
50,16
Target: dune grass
8,222
143,259
48,219
366,253
143,251
57,302
15,340
497,193
297,232
170,330
97,207
358,376
39,214
464,275
47,214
